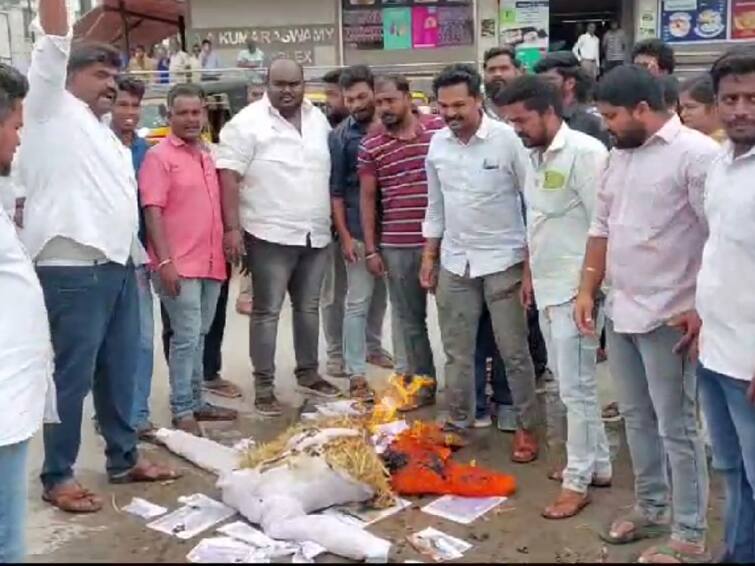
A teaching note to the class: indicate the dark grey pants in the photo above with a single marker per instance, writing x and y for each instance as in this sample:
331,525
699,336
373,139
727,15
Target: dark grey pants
275,269
460,301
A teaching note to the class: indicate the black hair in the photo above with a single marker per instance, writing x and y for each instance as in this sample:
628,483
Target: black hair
628,85
658,49
332,77
534,92
459,73
90,53
738,60
494,52
399,81
670,87
356,74
185,89
206,42
566,64
13,89
700,89
131,85
140,46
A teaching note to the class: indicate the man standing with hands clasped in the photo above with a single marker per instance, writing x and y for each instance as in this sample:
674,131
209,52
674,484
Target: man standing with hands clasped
560,200
647,238
476,169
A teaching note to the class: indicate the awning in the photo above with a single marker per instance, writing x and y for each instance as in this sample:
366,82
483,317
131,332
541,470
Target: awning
146,22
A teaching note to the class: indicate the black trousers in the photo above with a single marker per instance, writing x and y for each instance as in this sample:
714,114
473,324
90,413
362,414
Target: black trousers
213,342
537,343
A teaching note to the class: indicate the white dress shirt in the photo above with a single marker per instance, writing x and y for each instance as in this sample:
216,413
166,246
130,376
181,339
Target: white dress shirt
285,194
474,199
27,391
560,199
587,47
79,178
726,282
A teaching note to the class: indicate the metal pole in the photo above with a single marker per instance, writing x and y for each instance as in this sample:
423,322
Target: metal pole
341,55
475,29
182,32
124,19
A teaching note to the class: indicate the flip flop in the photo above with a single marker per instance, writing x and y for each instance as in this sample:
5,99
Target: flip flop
667,552
145,472
566,506
642,528
72,498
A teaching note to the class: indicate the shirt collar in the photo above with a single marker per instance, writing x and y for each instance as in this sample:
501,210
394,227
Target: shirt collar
669,131
482,133
175,141
559,141
419,129
729,153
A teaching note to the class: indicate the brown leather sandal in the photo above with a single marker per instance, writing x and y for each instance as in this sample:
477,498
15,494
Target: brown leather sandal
146,472
568,504
525,447
71,497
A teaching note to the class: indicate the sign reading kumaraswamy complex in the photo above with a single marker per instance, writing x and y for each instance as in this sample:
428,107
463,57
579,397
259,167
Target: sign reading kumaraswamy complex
295,42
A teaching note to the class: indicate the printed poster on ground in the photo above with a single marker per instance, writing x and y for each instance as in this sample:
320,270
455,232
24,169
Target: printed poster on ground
685,21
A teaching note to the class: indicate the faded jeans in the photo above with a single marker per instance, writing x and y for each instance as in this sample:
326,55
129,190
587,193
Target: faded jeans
410,309
145,358
190,315
277,269
731,423
13,496
572,358
366,301
657,394
460,301
333,307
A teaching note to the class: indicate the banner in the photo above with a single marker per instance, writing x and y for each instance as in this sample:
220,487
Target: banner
397,28
455,26
524,23
424,27
363,29
684,21
743,19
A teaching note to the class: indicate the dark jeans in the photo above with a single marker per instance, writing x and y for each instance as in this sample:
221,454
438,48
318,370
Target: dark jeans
411,302
538,351
731,423
487,348
213,342
94,321
276,270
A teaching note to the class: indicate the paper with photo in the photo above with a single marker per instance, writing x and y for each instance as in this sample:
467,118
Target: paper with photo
198,514
438,545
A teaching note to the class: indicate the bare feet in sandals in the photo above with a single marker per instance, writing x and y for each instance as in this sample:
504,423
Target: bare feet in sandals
144,472
676,552
568,504
71,497
631,528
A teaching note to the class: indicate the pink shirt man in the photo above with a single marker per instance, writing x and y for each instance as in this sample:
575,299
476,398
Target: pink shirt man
183,182
650,207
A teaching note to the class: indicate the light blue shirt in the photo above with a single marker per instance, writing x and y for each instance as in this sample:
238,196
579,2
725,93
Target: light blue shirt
474,199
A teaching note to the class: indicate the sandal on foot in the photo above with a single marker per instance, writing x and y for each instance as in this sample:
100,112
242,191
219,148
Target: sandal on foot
642,528
360,390
568,504
145,472
72,498
667,554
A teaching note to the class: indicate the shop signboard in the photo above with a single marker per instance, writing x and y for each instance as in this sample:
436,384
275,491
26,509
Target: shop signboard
684,21
743,19
524,26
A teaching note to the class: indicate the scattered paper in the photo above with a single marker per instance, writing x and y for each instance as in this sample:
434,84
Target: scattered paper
439,546
343,408
198,513
144,509
224,550
464,510
269,547
361,516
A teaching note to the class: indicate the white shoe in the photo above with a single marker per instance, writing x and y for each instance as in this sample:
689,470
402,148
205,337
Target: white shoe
483,422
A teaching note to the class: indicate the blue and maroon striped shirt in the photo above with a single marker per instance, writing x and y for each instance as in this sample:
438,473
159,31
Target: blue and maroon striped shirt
399,167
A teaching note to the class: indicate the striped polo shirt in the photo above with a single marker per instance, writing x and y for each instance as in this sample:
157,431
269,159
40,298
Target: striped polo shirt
399,167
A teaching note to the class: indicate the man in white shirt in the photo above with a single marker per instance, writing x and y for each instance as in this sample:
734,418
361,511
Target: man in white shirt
26,356
560,199
81,226
476,169
726,303
274,164
252,57
587,50
180,63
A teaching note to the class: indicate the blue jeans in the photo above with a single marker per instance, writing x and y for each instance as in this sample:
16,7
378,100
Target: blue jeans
657,394
731,423
191,315
94,322
487,348
13,494
144,361
365,305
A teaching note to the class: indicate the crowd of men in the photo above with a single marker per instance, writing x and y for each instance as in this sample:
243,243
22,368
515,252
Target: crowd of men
537,210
